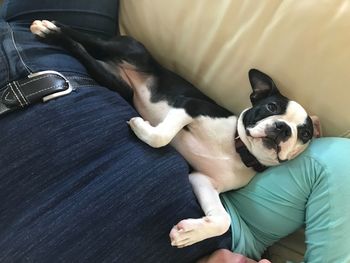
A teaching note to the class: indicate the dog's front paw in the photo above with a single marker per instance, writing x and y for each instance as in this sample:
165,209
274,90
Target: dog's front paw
190,231
147,133
141,128
43,28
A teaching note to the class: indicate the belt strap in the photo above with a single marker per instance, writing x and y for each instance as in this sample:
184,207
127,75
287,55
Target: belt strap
36,87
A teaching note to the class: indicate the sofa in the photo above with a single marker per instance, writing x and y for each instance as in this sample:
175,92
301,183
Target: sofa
302,45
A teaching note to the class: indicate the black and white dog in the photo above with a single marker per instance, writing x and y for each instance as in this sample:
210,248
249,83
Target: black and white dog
274,130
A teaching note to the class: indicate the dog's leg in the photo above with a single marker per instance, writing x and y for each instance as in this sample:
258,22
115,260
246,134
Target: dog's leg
52,30
117,49
216,221
164,132
69,38
92,51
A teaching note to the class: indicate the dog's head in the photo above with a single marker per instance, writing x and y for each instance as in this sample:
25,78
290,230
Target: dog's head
275,129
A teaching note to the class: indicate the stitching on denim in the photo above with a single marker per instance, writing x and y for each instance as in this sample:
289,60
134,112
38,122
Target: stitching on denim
18,53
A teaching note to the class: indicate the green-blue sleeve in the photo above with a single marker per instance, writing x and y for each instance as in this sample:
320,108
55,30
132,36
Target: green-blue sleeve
313,189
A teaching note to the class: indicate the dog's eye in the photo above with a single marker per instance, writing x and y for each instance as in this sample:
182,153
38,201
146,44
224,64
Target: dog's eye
272,107
306,134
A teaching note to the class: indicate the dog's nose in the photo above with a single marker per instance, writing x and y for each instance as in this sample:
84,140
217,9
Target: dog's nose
282,130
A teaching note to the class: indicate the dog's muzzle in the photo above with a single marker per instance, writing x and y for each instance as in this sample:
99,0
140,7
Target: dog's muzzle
277,133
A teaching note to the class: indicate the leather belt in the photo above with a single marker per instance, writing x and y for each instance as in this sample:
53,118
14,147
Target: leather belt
39,86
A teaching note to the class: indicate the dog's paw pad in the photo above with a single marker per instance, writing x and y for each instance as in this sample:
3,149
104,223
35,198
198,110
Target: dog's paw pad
135,122
50,25
42,28
139,126
190,231
185,233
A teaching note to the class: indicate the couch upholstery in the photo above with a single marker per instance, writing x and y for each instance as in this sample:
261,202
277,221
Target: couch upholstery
302,45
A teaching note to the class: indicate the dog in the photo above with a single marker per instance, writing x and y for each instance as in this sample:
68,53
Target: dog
224,150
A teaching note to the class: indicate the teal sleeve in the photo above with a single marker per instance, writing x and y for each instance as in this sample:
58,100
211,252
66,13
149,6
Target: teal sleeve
313,189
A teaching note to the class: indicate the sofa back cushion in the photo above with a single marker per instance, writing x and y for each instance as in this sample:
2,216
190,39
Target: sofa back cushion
302,45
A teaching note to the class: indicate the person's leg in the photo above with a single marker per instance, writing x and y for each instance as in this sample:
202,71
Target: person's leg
313,189
75,184
26,55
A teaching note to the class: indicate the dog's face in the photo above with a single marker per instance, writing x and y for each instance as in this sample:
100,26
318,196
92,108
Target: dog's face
275,129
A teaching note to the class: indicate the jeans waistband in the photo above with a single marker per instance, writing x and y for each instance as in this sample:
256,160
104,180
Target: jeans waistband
21,54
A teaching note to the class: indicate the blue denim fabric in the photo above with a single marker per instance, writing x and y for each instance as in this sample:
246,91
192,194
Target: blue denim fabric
22,53
96,17
75,184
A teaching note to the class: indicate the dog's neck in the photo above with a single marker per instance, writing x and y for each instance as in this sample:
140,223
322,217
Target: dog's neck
247,158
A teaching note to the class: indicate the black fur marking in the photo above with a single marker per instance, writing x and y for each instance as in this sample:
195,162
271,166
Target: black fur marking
179,93
168,86
306,130
262,85
261,110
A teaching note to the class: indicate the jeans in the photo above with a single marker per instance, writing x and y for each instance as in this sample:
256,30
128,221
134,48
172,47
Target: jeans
75,184
95,17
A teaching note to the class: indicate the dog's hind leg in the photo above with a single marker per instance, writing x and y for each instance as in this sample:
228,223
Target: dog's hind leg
164,132
117,49
216,221
93,52
71,39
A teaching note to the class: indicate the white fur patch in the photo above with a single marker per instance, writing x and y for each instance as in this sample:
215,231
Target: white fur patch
42,27
161,134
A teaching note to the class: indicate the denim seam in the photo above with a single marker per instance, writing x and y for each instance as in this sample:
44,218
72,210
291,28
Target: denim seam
6,60
18,52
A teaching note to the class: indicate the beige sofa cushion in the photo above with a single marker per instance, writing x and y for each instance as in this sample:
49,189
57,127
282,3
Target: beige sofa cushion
303,45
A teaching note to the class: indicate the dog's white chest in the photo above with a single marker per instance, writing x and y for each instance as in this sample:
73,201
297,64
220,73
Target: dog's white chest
208,145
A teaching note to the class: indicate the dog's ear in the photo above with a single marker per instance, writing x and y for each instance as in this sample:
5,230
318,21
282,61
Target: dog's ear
317,126
262,85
